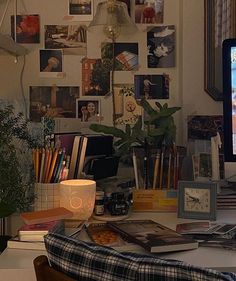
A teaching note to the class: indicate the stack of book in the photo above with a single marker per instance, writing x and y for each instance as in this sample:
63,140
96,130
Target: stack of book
147,234
226,200
37,224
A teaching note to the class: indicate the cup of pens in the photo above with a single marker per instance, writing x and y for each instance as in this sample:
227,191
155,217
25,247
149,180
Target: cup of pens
156,168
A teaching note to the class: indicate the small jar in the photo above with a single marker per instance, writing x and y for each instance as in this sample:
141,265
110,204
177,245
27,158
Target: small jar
99,203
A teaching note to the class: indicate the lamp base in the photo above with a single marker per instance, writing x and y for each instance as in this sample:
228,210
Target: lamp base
108,217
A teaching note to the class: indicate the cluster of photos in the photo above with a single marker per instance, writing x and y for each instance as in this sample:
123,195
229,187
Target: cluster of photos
84,101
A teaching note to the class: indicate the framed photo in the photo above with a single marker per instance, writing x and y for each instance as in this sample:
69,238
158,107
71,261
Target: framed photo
197,200
88,110
80,10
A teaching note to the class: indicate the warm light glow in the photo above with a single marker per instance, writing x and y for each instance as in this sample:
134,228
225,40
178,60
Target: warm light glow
78,196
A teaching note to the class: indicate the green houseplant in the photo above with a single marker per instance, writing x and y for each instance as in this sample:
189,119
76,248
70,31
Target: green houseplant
159,128
15,182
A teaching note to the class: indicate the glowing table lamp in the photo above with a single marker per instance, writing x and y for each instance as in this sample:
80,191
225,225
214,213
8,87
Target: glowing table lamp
78,196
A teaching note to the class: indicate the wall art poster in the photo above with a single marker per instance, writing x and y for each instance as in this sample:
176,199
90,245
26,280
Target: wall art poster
27,29
126,55
81,10
126,108
161,46
52,102
151,86
95,77
51,63
88,110
149,11
71,38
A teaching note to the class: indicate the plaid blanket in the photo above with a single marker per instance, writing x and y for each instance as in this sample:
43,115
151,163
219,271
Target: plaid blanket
91,262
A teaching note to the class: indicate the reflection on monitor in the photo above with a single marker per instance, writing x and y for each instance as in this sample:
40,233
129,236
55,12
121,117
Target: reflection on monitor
229,92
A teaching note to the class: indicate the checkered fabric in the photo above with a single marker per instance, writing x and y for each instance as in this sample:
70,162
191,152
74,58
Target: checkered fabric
91,262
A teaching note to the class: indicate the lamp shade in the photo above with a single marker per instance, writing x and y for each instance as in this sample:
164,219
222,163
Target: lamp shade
113,16
78,196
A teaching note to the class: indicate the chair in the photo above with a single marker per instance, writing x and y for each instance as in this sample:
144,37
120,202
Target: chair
44,272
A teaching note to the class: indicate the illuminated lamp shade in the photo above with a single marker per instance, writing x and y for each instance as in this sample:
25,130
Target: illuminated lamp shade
78,196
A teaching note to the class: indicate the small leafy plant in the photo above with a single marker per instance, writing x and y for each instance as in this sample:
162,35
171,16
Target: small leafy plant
158,129
15,183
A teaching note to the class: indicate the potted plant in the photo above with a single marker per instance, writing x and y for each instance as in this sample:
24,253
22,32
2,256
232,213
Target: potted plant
16,193
158,129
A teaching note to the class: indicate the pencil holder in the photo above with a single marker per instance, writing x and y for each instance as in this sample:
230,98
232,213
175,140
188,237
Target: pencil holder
46,196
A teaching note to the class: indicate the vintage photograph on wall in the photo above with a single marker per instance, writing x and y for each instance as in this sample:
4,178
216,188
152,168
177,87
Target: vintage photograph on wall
88,110
95,77
71,38
51,63
149,11
161,46
27,29
81,10
126,55
126,108
151,86
55,101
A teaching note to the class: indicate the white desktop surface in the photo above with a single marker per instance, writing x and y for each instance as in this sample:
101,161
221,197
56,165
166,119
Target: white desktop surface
18,264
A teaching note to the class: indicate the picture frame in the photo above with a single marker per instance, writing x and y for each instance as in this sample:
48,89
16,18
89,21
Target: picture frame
197,200
91,114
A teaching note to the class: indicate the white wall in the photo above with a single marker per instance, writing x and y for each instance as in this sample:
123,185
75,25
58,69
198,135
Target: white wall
187,78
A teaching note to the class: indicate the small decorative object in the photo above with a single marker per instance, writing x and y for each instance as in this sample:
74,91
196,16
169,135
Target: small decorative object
197,200
118,205
78,196
99,203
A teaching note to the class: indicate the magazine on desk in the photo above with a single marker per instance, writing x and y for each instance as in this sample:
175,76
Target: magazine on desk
152,236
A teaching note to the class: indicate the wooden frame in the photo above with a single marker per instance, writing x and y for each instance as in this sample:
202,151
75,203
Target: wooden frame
183,213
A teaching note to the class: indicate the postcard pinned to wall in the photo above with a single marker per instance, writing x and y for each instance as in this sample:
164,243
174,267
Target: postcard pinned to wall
126,108
71,38
27,29
88,110
149,11
95,77
55,101
80,10
151,86
126,55
161,46
51,63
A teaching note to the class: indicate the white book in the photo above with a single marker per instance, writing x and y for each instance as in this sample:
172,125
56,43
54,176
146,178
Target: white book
74,156
81,157
15,243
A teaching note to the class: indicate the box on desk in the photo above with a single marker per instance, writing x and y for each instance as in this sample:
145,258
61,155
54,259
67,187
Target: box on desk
155,200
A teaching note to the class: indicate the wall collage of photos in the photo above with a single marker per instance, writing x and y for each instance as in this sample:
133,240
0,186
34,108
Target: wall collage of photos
70,39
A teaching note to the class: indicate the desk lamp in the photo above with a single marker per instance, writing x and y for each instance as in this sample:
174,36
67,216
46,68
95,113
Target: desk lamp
78,196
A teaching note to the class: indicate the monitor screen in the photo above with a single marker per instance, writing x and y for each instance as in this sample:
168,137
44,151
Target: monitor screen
229,102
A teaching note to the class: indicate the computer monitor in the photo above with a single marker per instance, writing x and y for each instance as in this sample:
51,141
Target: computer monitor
229,107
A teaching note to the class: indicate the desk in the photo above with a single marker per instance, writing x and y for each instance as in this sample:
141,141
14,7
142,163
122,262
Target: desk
18,264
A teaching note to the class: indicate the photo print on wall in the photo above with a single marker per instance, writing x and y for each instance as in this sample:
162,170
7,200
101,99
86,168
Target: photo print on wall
71,38
27,29
151,86
51,63
54,102
88,110
95,77
149,11
126,108
126,55
161,46
80,10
